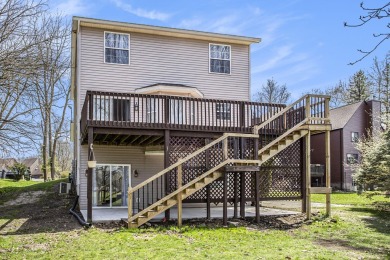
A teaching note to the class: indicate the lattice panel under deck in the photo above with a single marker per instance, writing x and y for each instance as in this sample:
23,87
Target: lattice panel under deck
281,177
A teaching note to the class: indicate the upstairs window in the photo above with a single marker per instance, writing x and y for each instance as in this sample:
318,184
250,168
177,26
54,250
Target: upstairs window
116,48
223,111
220,56
355,137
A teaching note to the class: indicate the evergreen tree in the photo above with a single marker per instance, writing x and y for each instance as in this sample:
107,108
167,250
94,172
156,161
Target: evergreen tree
374,168
358,88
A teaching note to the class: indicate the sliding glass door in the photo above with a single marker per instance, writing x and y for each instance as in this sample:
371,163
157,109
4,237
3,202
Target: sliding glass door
110,184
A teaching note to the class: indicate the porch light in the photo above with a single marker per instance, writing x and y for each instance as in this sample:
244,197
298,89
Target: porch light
91,159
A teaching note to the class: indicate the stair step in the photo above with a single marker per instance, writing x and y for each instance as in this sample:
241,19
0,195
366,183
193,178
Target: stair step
198,185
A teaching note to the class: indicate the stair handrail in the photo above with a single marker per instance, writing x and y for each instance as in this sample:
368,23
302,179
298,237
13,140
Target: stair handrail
256,128
189,157
187,185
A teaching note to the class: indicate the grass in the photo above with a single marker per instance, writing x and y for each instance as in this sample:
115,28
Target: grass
355,231
349,198
10,189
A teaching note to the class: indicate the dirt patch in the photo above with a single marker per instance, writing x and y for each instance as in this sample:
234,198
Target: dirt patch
266,222
38,211
29,197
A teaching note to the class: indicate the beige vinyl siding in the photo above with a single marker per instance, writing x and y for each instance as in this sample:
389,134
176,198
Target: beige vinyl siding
146,165
161,59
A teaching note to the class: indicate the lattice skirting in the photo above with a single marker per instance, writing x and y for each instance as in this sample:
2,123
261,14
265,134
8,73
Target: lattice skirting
280,177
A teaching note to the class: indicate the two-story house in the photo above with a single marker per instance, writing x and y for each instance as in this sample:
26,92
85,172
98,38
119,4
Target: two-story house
350,124
166,114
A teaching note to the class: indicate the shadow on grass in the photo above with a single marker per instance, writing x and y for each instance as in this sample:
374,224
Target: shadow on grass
50,213
378,219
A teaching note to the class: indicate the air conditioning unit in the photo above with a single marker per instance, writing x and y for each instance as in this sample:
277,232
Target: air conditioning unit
64,187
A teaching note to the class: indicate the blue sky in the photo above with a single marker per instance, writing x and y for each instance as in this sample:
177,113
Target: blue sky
304,43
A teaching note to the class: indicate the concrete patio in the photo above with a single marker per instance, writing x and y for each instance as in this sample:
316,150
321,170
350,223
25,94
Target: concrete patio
190,211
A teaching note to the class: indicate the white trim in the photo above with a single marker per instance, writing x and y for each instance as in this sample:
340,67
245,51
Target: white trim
129,176
165,31
194,92
230,55
104,48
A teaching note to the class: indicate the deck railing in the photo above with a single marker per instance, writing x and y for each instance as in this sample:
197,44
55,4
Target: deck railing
107,109
310,109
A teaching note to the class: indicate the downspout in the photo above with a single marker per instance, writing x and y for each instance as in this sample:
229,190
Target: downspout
342,159
77,216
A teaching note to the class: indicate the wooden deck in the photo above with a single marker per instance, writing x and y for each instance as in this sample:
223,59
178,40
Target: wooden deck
110,114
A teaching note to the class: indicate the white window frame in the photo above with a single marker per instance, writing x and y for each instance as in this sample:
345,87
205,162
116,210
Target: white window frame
104,48
353,140
94,181
227,110
351,155
230,55
151,110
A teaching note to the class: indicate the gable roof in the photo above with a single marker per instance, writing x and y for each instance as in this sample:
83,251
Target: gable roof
30,161
340,116
160,30
7,163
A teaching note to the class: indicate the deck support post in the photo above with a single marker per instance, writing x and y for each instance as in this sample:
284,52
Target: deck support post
303,171
242,180
225,150
225,200
129,206
179,195
208,199
235,184
327,158
235,213
257,181
308,177
89,178
166,165
327,171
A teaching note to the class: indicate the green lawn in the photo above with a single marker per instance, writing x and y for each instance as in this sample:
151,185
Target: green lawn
345,198
355,231
10,189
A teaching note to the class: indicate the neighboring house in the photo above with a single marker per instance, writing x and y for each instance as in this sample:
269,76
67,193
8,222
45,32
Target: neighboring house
5,165
34,167
350,123
146,97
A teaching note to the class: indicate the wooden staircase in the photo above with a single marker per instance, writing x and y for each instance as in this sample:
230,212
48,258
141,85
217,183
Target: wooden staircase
287,136
172,199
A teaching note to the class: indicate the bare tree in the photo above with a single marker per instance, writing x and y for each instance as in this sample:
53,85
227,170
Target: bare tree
18,65
272,92
52,86
373,13
379,76
64,155
338,94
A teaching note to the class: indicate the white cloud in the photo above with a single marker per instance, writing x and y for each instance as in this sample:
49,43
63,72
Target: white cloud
281,53
72,7
190,23
154,15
